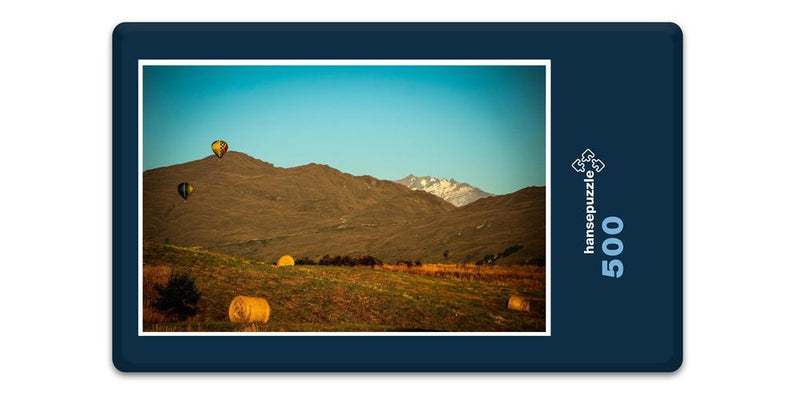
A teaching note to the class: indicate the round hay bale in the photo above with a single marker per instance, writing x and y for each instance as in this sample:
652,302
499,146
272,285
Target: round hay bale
285,261
248,309
519,303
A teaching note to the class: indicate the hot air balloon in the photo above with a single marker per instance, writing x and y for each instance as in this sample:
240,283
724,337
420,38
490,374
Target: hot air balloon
185,189
219,148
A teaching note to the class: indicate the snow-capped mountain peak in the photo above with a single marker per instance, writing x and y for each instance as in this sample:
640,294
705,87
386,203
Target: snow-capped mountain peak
452,191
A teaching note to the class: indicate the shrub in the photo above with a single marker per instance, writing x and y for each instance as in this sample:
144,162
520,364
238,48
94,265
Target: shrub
305,261
370,261
511,250
178,298
490,259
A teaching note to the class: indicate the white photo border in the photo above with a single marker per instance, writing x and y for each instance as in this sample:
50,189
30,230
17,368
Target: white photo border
343,62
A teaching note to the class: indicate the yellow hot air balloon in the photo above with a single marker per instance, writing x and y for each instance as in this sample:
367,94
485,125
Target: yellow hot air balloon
219,148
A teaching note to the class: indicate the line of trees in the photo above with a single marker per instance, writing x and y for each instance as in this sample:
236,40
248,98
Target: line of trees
348,261
491,259
341,261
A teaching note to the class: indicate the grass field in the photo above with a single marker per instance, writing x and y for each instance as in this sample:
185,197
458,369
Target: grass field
346,299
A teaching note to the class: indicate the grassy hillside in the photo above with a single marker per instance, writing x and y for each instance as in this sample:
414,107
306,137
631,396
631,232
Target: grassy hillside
240,198
323,298
487,226
247,207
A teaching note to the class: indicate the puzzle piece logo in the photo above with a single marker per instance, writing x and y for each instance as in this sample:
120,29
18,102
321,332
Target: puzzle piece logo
579,166
598,164
588,156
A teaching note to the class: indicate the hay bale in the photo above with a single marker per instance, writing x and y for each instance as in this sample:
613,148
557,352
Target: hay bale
285,261
519,303
248,309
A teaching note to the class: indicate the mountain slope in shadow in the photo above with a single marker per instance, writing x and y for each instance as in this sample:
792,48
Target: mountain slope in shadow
245,206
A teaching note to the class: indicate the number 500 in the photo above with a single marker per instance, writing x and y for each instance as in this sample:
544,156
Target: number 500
612,247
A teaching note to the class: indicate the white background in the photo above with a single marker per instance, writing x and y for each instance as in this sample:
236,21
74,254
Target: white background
741,212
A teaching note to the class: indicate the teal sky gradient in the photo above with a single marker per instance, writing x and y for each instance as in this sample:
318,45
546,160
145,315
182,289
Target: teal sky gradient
483,125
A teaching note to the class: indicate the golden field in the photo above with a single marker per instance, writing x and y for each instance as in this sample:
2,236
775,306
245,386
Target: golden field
432,297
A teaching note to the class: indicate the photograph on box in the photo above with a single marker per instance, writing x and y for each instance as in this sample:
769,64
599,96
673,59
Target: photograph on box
361,197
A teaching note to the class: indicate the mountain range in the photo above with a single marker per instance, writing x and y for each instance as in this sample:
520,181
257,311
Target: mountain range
248,207
454,192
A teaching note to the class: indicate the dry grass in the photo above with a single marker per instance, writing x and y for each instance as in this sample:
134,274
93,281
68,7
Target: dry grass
350,299
522,274
152,276
252,328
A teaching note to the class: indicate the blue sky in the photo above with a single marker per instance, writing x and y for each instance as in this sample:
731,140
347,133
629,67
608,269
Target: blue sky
483,125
